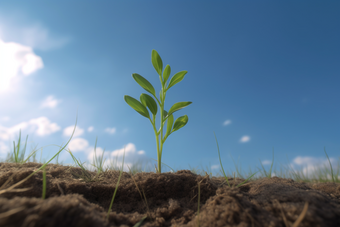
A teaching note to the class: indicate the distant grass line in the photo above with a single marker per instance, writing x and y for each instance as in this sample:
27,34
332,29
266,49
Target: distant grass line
16,157
319,175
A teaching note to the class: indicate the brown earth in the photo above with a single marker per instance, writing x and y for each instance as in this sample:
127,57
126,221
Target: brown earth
172,199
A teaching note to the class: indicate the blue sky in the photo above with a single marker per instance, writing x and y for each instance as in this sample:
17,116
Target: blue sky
261,75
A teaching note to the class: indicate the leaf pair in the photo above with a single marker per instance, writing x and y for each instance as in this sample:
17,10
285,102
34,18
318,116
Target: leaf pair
179,123
148,101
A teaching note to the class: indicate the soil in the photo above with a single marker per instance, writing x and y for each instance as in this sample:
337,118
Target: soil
172,199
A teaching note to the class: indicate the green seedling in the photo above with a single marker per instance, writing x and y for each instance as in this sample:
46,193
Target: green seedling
148,101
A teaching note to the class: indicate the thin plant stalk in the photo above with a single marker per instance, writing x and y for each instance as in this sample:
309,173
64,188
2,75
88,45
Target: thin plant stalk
40,156
15,157
238,172
85,175
269,175
330,165
114,194
294,173
140,222
16,153
57,159
98,164
223,169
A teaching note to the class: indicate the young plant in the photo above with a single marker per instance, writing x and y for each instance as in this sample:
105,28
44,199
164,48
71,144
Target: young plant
148,101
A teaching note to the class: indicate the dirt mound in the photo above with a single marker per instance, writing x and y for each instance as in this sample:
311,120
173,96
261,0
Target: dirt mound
78,198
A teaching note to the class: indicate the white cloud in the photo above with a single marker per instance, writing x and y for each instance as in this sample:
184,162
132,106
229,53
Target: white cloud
81,145
227,122
90,129
69,130
311,165
50,102
99,152
244,139
32,63
115,157
77,144
130,148
4,149
266,162
16,60
18,38
44,127
40,126
215,166
304,160
110,130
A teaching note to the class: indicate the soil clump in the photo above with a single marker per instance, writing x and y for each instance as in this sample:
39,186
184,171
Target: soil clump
75,197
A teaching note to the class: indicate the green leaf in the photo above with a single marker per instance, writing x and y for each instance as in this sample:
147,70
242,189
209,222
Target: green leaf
169,123
140,222
149,102
165,113
157,62
166,73
178,106
180,122
144,83
178,77
136,105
